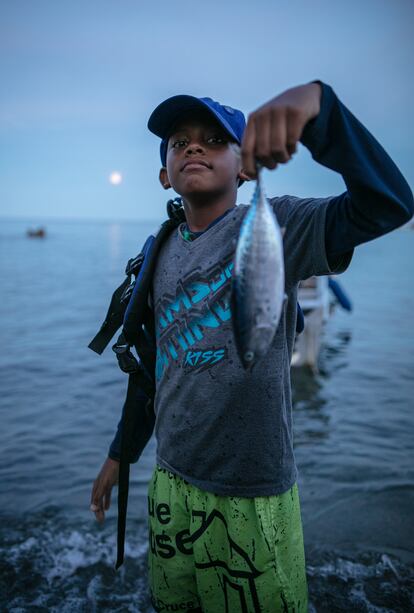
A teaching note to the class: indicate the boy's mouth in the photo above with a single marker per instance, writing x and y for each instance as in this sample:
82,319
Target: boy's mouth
195,165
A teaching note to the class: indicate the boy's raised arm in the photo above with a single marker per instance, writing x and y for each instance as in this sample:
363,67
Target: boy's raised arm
378,198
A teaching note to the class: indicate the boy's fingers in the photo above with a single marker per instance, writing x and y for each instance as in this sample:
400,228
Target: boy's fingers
100,516
107,500
95,490
278,138
291,148
270,138
294,129
99,512
96,506
247,149
263,145
96,499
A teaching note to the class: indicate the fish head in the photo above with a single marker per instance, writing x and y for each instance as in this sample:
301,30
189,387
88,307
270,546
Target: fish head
256,347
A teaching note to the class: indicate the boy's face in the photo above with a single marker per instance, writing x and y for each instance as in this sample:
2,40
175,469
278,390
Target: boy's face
201,158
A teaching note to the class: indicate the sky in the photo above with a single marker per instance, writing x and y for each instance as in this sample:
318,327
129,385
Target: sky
79,80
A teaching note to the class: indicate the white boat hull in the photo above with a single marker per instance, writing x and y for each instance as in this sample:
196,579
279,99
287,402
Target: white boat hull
314,300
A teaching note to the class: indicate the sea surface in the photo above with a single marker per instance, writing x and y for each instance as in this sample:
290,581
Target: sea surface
60,404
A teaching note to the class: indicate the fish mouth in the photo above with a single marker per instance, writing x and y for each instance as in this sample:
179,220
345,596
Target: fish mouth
195,164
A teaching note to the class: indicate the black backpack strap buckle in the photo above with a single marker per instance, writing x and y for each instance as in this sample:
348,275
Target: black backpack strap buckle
134,264
127,293
175,210
126,359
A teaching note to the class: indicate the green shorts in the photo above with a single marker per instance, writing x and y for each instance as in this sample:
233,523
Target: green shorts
224,554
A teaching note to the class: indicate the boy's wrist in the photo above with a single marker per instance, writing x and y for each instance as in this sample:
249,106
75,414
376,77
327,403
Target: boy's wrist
316,88
110,457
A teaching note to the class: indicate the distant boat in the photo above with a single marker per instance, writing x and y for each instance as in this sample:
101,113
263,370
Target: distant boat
38,233
317,297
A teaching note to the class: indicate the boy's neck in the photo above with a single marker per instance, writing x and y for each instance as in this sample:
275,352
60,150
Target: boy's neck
199,215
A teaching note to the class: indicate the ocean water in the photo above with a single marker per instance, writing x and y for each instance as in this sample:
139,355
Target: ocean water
60,404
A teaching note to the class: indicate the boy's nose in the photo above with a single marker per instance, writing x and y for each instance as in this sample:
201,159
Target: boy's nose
194,148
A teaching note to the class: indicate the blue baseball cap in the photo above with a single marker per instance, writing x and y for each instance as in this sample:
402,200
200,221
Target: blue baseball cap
171,110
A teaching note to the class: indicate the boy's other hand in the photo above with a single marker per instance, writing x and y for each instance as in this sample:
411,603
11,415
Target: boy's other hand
102,487
273,130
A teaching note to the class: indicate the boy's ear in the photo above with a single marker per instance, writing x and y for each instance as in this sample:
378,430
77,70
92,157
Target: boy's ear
242,175
163,176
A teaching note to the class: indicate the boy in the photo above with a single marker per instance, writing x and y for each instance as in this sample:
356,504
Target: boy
224,513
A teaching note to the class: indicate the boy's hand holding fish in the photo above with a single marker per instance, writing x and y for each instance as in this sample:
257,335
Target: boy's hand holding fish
274,129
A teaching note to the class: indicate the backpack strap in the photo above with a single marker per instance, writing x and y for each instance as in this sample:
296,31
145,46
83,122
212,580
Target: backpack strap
138,303
137,418
120,298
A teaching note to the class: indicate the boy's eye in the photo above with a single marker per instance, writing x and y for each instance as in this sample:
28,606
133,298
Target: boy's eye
179,143
216,139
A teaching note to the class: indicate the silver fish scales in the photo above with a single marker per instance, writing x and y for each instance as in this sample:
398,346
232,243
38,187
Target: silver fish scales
258,281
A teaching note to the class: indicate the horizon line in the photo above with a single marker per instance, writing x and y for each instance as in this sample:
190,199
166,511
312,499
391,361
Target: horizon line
77,219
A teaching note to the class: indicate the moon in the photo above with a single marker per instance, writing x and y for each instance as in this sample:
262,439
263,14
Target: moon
115,178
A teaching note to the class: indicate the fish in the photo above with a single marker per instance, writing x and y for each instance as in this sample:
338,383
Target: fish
258,280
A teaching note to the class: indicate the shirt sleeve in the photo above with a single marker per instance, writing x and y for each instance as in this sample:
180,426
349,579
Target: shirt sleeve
305,255
378,198
143,428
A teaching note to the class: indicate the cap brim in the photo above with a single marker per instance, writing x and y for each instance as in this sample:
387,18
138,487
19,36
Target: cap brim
169,112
